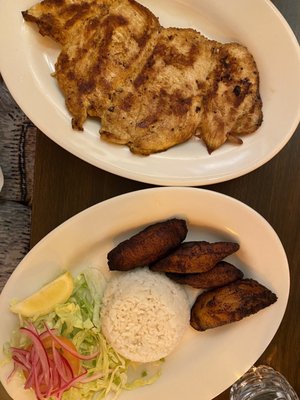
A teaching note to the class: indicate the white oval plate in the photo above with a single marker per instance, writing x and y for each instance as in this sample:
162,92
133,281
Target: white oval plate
205,363
27,60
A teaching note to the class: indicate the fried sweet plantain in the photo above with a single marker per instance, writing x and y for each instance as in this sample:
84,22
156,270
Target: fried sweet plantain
195,257
220,275
147,246
230,303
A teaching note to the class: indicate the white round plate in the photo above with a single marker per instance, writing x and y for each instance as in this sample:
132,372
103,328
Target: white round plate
205,363
27,60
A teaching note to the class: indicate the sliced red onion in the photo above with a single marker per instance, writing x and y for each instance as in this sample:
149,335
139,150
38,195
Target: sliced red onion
70,350
37,384
44,335
73,381
48,376
30,379
40,350
61,365
21,359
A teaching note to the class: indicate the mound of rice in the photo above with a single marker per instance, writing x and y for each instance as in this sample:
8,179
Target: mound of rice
144,314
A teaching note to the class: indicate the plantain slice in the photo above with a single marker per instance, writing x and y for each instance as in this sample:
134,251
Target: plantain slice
220,275
147,246
229,303
195,257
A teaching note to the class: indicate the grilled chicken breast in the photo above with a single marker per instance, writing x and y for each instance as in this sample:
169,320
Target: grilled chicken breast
62,20
151,87
97,62
160,106
230,303
232,105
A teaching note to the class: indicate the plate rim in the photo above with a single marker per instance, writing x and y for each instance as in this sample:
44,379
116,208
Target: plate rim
165,179
169,191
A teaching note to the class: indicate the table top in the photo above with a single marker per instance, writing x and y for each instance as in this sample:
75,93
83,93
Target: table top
65,185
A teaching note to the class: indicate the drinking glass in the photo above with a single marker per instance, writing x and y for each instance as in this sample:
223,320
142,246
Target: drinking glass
262,383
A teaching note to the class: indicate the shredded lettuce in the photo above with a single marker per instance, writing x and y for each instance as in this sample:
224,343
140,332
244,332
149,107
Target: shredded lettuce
79,320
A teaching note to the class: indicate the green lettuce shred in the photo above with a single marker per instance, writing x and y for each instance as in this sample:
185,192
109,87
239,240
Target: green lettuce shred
79,320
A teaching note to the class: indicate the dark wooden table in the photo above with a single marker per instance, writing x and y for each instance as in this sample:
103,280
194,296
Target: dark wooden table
65,185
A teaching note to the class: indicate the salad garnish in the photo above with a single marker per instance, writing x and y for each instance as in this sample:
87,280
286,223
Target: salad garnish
63,355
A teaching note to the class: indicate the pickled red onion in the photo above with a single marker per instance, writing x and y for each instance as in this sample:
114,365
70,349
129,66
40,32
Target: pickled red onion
69,349
47,375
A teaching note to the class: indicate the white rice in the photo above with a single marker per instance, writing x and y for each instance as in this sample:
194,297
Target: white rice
144,314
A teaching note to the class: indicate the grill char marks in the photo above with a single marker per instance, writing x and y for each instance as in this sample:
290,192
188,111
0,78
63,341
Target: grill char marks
62,19
101,58
232,105
151,87
165,95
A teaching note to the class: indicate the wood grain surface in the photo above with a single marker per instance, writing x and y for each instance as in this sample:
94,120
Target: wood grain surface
65,185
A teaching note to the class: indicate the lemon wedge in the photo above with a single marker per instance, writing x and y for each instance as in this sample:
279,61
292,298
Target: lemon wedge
44,300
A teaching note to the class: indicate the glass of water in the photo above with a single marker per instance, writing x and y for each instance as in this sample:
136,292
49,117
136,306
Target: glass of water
262,383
